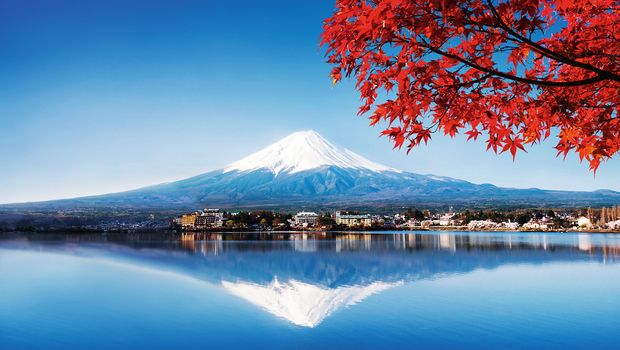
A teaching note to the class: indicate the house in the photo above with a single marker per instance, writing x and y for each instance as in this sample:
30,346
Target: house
583,222
306,218
446,219
412,223
210,218
427,223
510,225
387,221
352,220
399,219
536,225
481,225
614,225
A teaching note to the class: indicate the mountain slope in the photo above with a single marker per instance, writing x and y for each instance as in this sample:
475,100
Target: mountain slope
305,169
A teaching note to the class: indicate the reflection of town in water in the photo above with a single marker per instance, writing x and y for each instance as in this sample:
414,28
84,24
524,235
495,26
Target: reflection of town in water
604,246
327,271
305,277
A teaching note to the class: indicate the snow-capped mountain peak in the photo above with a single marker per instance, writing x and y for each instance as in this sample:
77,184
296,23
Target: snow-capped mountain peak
304,150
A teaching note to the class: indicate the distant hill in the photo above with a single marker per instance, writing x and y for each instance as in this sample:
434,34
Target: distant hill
304,169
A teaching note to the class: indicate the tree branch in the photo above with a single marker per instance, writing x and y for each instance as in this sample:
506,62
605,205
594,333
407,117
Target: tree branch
494,72
546,52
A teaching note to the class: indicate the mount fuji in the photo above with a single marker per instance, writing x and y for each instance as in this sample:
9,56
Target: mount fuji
306,169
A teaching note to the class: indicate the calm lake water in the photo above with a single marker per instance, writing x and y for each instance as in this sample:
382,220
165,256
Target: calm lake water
419,290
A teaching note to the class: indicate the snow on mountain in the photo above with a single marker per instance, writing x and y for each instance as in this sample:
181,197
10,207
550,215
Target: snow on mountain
304,150
301,303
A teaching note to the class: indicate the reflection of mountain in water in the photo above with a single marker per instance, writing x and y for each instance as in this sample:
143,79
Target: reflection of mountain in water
301,303
304,278
354,259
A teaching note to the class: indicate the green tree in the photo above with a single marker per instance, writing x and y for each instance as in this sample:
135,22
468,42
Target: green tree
326,220
523,218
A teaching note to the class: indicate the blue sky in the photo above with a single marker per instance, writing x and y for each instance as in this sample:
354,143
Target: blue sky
102,96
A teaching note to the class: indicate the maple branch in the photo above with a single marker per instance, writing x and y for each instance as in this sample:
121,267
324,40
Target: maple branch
445,59
494,72
546,52
466,83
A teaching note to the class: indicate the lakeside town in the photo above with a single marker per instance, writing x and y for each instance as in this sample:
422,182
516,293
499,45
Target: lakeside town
584,219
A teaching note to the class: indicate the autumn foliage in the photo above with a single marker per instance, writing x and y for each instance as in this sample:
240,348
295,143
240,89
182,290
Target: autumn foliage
511,71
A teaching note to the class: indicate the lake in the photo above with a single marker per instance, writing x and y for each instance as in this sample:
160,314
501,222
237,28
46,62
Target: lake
430,290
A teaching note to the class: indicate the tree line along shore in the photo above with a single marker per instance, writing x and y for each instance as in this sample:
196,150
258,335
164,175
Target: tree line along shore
174,220
541,219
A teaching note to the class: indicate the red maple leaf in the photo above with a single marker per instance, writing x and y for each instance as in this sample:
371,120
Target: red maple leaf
496,67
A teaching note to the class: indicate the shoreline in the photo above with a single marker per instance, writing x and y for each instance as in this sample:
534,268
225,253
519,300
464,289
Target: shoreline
404,229
367,230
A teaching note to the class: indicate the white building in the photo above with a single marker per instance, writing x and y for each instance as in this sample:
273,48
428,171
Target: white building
353,220
446,219
614,225
584,222
481,225
306,218
210,217
535,225
510,225
413,223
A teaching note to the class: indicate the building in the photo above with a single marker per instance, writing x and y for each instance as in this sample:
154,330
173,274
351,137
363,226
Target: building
201,219
510,225
584,222
187,220
481,225
427,223
353,220
446,219
614,225
412,223
210,218
306,218
536,225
